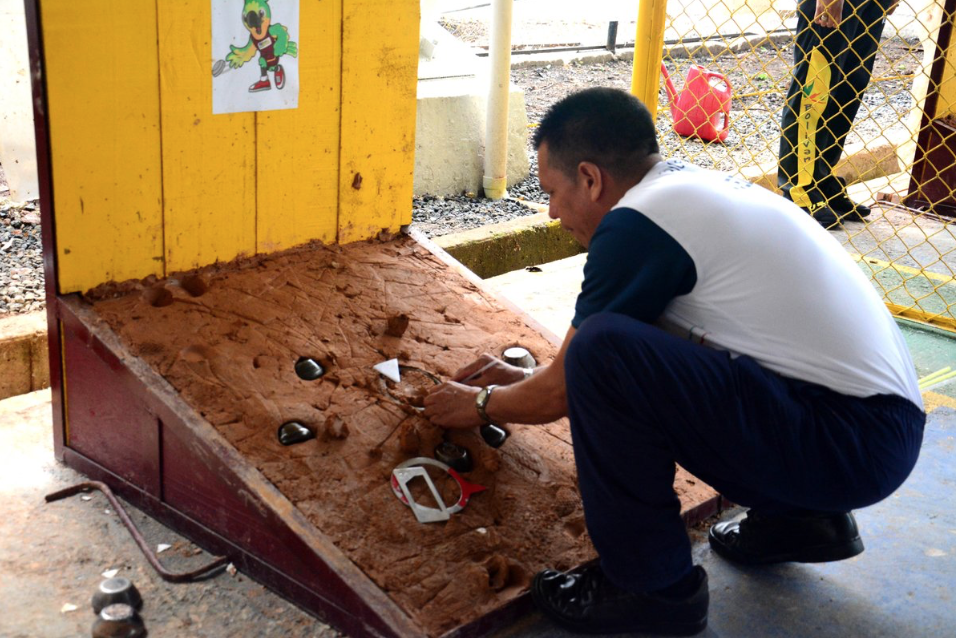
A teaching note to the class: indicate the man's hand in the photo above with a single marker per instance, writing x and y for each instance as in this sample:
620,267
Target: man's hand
499,372
538,399
452,405
829,13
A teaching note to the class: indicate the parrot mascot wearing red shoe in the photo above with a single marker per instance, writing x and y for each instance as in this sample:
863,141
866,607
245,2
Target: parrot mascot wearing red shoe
271,40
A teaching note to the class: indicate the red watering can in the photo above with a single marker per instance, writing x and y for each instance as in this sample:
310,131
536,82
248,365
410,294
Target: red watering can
703,107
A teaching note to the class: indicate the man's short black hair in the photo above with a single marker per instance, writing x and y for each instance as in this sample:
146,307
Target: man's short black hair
608,127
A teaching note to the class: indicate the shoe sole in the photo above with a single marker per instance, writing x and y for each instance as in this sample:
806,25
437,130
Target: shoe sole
851,217
688,628
816,554
851,214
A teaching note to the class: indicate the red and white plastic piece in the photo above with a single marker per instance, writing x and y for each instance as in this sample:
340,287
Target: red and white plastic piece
403,474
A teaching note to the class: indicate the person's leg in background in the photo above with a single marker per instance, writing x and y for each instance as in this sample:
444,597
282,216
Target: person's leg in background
800,109
863,28
829,66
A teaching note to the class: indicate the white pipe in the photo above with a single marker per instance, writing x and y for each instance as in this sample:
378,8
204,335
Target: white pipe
495,180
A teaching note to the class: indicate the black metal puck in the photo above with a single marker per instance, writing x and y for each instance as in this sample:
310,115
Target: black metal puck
308,369
493,435
454,456
293,432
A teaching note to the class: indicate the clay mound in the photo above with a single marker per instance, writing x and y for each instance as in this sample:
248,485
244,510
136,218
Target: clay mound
228,339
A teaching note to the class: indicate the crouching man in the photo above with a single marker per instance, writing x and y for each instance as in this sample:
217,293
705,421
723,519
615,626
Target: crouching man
718,327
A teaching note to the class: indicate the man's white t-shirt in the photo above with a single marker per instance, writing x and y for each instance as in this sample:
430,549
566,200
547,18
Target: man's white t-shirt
737,267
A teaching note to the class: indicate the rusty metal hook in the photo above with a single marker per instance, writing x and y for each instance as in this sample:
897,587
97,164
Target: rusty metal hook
171,577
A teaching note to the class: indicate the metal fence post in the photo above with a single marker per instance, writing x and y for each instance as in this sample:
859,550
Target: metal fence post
648,50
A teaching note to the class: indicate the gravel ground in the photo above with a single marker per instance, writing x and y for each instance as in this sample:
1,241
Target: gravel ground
436,216
21,255
760,81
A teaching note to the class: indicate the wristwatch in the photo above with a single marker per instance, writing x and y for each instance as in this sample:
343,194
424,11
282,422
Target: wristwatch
481,401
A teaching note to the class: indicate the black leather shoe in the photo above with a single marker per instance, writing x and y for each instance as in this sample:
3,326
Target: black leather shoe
822,214
586,601
846,208
804,537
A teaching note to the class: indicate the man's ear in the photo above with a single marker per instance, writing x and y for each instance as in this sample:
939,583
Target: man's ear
591,174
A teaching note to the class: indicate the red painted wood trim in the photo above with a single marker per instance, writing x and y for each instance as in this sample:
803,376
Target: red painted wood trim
41,126
923,170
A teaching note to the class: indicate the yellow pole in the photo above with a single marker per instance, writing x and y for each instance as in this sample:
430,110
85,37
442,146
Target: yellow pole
648,48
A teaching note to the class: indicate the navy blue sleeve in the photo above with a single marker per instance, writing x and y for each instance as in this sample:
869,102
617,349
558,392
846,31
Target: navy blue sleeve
634,268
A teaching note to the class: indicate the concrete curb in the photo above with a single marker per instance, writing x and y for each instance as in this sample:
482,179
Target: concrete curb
710,48
24,355
499,248
861,163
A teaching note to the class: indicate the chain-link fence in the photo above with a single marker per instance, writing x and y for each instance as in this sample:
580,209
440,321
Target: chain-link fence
860,109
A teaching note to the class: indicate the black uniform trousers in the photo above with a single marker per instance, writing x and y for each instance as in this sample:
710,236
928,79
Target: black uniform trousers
832,68
641,399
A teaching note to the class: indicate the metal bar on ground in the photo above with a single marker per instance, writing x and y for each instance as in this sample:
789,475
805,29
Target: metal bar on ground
172,577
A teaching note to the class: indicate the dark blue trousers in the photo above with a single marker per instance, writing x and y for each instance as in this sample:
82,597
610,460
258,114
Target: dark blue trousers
641,399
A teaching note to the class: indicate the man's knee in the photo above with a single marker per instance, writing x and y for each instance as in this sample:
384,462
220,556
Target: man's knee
601,335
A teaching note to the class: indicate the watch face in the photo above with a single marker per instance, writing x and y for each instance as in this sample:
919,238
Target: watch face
483,397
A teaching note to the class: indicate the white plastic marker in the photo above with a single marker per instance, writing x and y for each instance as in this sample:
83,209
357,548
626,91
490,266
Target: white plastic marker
480,371
389,370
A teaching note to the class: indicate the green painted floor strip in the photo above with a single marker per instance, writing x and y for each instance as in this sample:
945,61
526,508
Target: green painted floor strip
932,349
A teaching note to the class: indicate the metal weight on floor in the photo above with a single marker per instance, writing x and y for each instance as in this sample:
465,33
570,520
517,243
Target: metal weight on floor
114,591
118,621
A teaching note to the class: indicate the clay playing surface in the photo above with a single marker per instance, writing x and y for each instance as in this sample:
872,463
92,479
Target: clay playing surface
228,339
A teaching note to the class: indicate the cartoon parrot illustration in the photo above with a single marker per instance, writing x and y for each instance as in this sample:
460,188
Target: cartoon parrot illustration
270,40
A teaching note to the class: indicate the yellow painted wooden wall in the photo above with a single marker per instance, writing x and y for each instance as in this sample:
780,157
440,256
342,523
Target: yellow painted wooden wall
147,181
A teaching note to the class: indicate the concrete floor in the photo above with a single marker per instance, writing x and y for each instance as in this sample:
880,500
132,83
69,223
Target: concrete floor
900,586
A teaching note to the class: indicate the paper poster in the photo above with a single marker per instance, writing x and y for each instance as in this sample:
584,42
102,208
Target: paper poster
255,50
